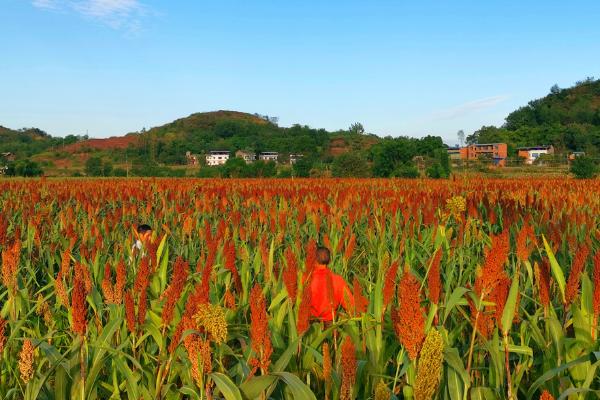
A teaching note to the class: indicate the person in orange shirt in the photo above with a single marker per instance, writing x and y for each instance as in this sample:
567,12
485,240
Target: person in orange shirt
328,290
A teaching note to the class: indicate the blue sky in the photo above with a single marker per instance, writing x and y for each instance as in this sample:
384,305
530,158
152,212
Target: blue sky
401,68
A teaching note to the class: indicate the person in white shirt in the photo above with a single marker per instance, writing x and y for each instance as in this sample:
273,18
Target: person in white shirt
143,235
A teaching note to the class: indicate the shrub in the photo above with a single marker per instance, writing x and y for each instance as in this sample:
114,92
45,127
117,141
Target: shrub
350,165
119,172
406,170
436,171
584,168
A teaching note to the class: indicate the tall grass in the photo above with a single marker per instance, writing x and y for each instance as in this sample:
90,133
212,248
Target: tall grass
474,289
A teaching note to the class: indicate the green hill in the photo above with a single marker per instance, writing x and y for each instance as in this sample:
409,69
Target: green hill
24,141
568,119
231,130
197,133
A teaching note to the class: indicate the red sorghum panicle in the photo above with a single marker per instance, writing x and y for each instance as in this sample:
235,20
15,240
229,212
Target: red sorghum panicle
3,324
303,321
194,300
26,361
493,269
410,321
290,275
487,281
229,299
572,287
360,302
596,280
482,321
499,296
229,251
311,257
523,249
206,356
434,282
350,247
10,265
173,292
142,279
107,287
142,307
59,284
192,347
389,285
121,282
543,282
83,274
348,366
259,331
546,395
78,307
130,311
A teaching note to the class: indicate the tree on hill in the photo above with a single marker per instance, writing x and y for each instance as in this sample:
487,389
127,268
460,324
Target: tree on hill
357,128
441,165
568,119
392,153
461,137
95,166
302,167
394,156
262,169
235,167
349,165
26,168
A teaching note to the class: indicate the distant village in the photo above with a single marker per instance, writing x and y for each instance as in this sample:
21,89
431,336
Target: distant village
5,158
497,153
220,157
487,154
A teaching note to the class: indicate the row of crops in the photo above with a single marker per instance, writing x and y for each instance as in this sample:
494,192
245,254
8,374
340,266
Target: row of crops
464,289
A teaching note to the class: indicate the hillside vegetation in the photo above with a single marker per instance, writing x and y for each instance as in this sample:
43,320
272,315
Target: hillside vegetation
568,119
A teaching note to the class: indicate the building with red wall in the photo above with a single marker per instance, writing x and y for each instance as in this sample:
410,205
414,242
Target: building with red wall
495,152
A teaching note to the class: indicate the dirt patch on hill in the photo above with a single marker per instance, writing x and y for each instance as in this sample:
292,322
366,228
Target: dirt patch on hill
117,142
338,146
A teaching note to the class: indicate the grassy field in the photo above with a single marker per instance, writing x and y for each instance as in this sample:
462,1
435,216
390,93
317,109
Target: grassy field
472,288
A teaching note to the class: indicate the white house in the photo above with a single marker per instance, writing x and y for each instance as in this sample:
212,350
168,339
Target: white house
219,157
295,157
268,156
530,154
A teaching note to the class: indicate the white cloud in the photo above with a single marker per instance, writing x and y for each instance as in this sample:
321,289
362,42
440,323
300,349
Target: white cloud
118,14
469,107
47,4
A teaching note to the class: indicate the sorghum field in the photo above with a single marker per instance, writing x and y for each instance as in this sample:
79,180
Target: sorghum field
466,289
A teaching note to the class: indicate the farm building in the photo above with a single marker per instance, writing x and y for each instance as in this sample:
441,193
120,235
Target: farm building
576,154
497,152
248,156
295,157
268,156
454,153
530,154
218,157
191,159
8,156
